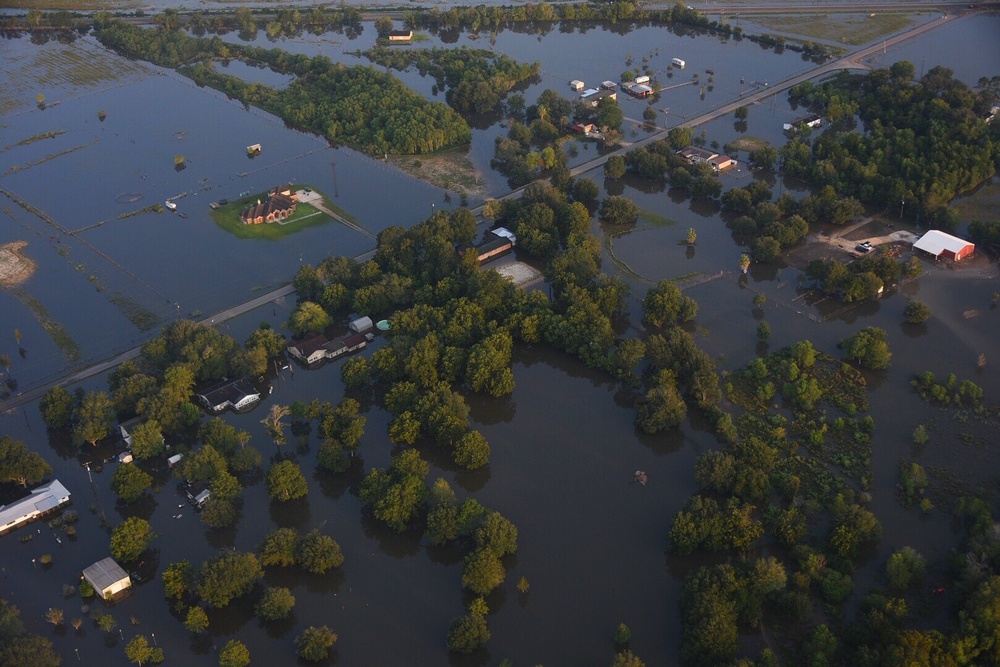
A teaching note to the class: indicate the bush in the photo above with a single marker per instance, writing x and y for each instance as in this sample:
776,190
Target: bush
917,312
314,643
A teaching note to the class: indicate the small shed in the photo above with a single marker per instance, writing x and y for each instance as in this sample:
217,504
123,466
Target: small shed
576,85
938,243
642,79
608,85
361,324
174,460
107,577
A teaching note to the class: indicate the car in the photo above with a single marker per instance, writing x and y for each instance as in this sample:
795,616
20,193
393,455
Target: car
863,247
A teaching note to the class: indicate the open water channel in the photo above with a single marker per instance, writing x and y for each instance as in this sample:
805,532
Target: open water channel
564,447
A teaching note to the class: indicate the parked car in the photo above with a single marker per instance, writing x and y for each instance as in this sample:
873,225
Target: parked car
863,247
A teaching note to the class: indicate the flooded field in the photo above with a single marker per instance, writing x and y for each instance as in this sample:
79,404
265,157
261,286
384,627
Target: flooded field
564,448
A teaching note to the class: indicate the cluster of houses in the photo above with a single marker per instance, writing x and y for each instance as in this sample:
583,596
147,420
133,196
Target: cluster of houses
278,204
717,161
319,347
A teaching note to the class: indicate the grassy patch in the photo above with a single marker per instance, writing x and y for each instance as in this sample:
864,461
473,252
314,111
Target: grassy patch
228,217
68,346
143,319
451,170
853,29
621,265
749,143
982,205
33,139
655,219
16,167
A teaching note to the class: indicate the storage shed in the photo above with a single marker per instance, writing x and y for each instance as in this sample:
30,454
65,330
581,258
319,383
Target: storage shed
361,324
938,243
576,85
107,577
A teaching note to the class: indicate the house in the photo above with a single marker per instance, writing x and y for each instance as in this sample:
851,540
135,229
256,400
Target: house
937,243
590,92
278,205
400,35
583,128
811,121
592,98
41,501
639,91
107,577
334,349
127,428
236,394
125,457
721,162
355,342
309,350
492,246
641,79
503,232
253,149
198,494
576,85
695,155
678,63
361,324
608,85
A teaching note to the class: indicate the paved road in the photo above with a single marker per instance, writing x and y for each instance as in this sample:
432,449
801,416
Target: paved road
852,61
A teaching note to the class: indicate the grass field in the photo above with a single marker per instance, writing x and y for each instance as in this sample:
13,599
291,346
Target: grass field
853,29
228,217
982,205
749,143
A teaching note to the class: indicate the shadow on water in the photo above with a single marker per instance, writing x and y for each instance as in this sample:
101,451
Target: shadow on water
141,508
224,538
333,485
473,480
911,330
447,554
291,514
488,410
398,545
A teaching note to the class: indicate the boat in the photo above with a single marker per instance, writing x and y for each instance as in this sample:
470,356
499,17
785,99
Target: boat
170,205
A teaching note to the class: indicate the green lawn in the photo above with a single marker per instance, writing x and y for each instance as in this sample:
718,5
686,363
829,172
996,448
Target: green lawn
228,217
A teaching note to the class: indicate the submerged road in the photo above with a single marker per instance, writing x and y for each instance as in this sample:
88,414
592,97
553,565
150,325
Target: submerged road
852,61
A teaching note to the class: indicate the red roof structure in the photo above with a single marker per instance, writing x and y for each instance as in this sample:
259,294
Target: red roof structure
279,204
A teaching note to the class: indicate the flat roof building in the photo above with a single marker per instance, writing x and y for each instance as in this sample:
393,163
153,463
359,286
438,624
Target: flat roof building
938,243
107,577
42,500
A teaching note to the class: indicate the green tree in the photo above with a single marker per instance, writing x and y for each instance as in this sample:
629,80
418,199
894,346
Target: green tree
286,482
308,317
219,513
19,464
763,331
57,408
469,632
178,580
130,538
94,417
383,26
147,440
472,451
314,643
398,494
904,568
129,482
665,305
869,347
140,652
276,604
196,620
917,312
614,168
742,112
662,407
622,634
497,534
618,210
226,577
279,548
483,571
627,659
318,553
234,654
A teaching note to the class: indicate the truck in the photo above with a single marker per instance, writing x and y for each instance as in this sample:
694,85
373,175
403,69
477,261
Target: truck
678,63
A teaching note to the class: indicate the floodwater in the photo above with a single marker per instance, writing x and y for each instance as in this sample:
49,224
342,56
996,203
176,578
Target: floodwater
592,545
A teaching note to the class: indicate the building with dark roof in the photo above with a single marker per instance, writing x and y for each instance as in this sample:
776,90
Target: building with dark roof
236,394
278,205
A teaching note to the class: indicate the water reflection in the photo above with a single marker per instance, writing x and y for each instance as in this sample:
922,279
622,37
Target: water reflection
290,514
398,545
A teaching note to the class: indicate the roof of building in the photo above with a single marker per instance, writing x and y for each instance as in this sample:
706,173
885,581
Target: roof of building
695,152
362,323
231,391
307,346
105,573
401,33
41,499
492,243
935,242
276,200
354,340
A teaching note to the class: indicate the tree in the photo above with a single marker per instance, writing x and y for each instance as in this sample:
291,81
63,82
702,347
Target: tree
279,548
178,580
57,408
318,553
286,482
226,577
662,407
692,236
868,347
917,312
94,417
196,620
618,210
744,262
276,604
469,632
140,652
472,451
234,654
314,643
308,317
609,114
274,425
763,331
129,482
627,659
742,113
904,568
622,634
19,464
383,26
614,168
130,538
147,440
483,571
665,305
54,616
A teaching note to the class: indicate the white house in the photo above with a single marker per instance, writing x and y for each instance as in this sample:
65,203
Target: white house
42,500
236,394
309,350
107,577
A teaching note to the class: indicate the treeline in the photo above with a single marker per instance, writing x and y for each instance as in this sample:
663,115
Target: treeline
358,106
659,161
924,142
476,80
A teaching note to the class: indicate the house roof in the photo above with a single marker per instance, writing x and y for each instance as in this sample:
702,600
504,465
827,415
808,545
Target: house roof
695,152
42,499
276,200
231,391
935,242
356,339
105,573
307,346
362,323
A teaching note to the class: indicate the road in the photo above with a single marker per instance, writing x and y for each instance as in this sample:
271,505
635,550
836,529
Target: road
851,61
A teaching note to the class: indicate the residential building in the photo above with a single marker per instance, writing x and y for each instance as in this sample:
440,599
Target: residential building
236,394
576,85
309,350
42,500
277,205
811,121
108,578
400,35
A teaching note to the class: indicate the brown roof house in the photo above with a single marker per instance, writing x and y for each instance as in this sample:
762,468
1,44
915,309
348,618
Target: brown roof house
278,205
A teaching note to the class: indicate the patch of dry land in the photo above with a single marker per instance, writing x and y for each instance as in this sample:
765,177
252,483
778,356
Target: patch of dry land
450,170
749,143
15,267
853,29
